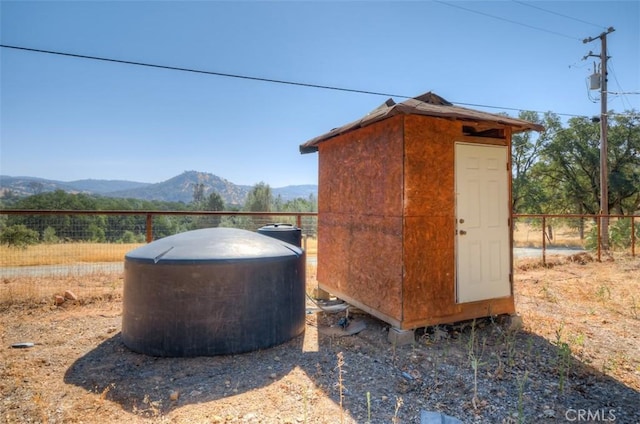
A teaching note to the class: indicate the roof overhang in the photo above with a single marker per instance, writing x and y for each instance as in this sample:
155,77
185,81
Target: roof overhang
428,104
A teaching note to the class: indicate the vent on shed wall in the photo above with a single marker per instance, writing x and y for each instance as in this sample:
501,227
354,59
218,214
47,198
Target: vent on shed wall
488,133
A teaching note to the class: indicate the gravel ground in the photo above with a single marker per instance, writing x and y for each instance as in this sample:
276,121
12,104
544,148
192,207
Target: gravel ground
562,366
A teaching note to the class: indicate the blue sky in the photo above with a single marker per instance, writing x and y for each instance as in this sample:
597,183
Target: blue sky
68,118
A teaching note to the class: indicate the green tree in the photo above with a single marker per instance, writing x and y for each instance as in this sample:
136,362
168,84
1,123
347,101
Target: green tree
526,148
624,163
18,236
108,228
214,202
259,199
198,193
570,166
8,199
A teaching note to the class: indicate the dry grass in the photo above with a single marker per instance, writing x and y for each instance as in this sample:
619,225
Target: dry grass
69,253
32,292
63,253
310,246
527,235
592,306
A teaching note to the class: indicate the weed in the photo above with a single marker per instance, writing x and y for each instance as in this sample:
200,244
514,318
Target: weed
510,345
563,359
499,372
634,308
399,403
578,342
39,402
368,407
105,391
603,293
341,385
393,352
521,383
529,346
547,294
475,362
436,366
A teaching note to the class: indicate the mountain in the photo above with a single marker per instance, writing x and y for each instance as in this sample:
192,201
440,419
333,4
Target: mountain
178,189
105,186
295,191
26,186
181,187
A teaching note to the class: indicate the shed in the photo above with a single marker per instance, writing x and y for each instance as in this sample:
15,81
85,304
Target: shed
414,215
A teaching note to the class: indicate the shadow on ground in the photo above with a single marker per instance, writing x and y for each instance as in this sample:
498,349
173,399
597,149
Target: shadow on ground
519,376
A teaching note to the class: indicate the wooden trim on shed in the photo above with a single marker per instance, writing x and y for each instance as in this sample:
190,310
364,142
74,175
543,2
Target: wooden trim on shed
467,311
483,140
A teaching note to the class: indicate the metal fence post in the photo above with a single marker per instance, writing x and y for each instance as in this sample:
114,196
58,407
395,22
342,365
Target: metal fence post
598,220
149,228
633,237
544,240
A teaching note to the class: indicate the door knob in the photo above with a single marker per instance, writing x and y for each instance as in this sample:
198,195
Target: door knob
462,232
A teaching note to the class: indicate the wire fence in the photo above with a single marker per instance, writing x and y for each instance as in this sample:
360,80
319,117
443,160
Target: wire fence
573,233
47,253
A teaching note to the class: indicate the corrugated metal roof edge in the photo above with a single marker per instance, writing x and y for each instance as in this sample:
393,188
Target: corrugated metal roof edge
417,107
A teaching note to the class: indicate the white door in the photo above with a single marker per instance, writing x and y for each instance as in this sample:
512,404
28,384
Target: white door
482,222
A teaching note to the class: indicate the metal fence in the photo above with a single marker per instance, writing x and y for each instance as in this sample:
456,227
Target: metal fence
44,253
47,253
574,233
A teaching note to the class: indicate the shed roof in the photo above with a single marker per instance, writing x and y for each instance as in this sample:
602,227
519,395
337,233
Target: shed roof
428,104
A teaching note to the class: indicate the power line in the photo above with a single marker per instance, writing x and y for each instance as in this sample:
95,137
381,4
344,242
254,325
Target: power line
198,71
507,20
621,93
558,14
260,79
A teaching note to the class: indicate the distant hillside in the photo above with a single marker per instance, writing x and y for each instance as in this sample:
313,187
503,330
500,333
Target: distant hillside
180,189
106,186
296,191
176,189
26,186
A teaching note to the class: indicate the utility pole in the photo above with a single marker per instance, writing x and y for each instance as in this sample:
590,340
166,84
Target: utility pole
604,184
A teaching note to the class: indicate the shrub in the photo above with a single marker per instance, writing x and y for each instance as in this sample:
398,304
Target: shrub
18,236
619,234
49,235
130,237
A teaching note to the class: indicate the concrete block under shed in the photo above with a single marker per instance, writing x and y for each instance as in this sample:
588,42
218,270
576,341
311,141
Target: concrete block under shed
400,337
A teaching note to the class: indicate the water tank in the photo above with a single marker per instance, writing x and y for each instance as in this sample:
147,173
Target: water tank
212,291
285,232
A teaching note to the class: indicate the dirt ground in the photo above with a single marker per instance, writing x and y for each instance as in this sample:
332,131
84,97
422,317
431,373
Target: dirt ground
577,355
